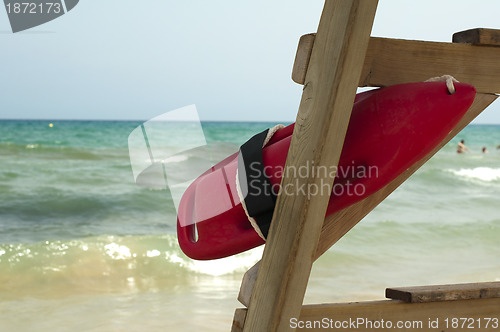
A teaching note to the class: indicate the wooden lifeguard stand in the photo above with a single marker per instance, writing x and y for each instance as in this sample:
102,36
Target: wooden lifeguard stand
332,64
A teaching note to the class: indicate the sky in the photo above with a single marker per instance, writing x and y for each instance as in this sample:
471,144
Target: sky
134,60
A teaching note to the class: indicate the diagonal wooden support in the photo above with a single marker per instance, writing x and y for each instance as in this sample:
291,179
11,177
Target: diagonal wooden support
338,224
323,116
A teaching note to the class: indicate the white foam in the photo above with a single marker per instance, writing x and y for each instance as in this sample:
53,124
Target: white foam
479,173
228,265
153,253
117,251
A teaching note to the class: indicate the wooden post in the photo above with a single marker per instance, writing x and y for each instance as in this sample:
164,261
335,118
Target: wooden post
323,116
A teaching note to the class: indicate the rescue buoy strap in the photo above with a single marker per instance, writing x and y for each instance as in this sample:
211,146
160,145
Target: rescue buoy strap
254,184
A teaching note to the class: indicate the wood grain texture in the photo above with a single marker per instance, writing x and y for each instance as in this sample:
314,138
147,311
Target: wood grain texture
419,315
338,224
436,293
323,116
392,61
395,61
478,36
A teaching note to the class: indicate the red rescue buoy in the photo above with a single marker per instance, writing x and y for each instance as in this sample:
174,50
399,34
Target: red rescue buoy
390,129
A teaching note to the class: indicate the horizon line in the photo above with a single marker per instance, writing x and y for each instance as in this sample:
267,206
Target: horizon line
140,120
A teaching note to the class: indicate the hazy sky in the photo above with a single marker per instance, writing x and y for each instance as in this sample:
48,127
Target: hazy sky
122,59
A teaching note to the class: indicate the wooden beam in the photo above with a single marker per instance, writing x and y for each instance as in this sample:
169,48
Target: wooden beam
421,294
394,61
479,36
322,120
338,224
481,315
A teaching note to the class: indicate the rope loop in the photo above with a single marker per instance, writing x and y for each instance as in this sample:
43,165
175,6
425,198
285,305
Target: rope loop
449,82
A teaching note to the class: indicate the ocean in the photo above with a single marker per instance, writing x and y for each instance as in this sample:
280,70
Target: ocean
83,248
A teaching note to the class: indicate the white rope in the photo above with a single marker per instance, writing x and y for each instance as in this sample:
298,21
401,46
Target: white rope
449,82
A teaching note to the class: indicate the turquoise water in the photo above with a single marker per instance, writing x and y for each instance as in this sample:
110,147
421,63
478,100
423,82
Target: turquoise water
82,247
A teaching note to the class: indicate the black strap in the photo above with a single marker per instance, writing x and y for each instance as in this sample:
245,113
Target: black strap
255,186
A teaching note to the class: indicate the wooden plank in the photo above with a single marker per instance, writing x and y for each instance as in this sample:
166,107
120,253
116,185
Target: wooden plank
239,320
391,61
479,36
437,293
302,57
482,315
394,61
247,284
338,224
323,117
